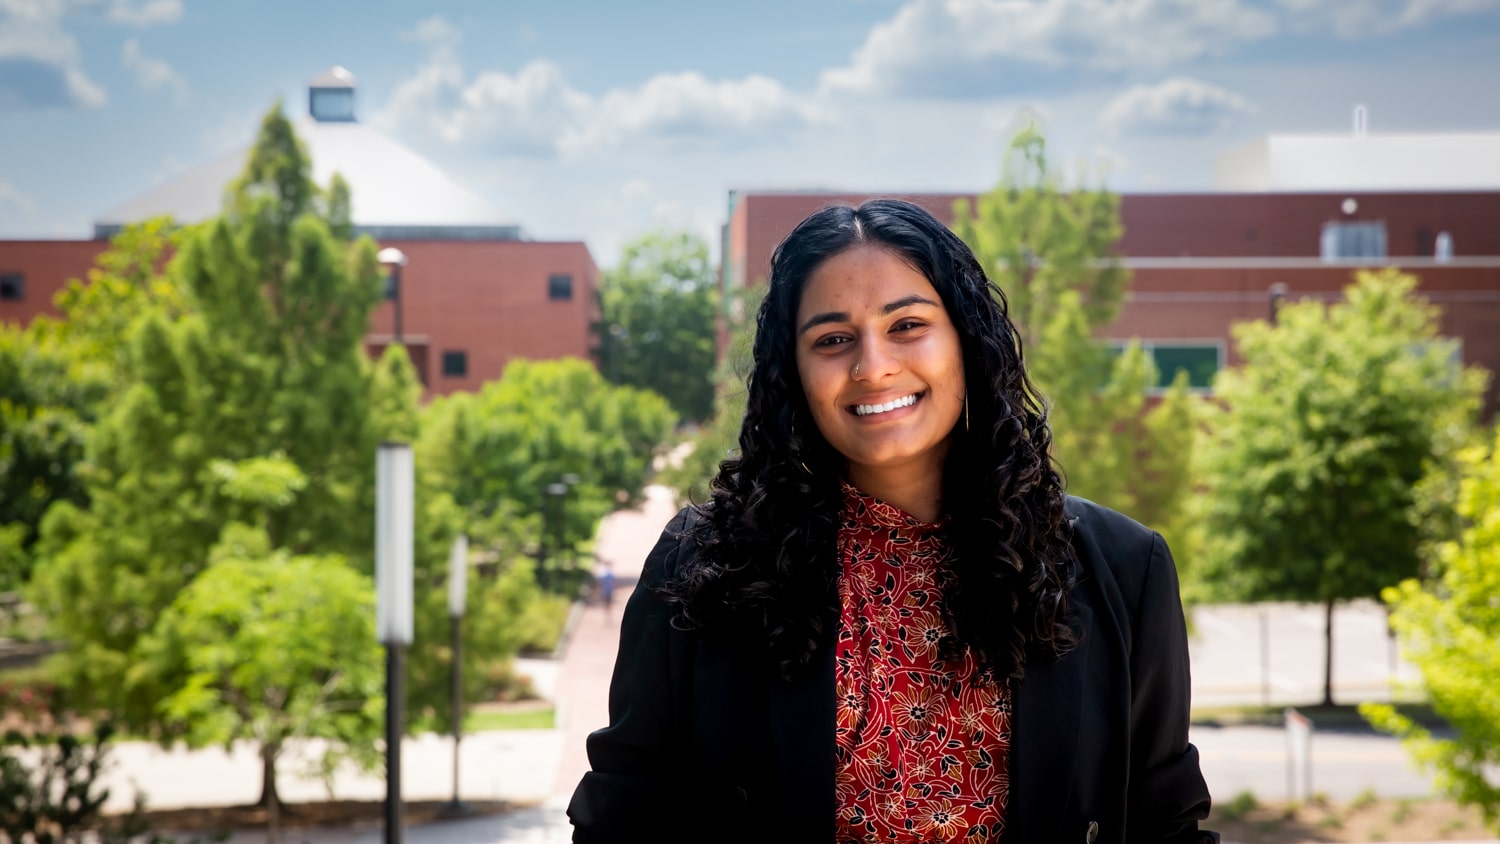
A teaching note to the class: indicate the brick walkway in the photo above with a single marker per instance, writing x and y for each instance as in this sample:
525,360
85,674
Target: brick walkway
624,539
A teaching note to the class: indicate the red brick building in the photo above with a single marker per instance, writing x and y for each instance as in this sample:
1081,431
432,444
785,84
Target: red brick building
475,291
1202,262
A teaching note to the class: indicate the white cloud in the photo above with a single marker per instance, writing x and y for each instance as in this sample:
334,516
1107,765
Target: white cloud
981,47
39,63
130,12
1176,106
635,188
1352,19
526,113
144,13
435,31
152,73
689,106
230,129
536,112
984,48
12,198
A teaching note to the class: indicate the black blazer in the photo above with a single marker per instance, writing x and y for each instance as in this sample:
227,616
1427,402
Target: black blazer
706,743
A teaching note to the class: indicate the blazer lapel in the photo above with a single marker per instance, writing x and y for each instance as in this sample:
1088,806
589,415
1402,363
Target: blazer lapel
802,720
1044,739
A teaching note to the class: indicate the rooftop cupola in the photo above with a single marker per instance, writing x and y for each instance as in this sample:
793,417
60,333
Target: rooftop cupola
330,96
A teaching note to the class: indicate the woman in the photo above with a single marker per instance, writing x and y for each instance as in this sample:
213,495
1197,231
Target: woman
889,623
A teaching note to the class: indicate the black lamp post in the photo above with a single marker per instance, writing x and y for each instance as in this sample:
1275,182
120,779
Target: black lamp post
393,260
394,544
569,481
552,518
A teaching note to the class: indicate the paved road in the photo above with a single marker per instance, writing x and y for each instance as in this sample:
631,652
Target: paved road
543,766
1274,653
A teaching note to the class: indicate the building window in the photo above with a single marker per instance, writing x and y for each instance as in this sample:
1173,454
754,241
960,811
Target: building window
331,104
12,287
1200,359
1443,251
455,364
560,287
1348,241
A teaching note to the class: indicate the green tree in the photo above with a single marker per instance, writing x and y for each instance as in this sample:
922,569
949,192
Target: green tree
44,416
98,314
483,462
499,450
398,397
278,648
55,377
1449,627
1313,469
719,437
541,421
497,598
1053,253
244,355
658,329
1037,240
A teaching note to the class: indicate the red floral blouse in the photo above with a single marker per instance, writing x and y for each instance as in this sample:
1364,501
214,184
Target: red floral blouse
921,742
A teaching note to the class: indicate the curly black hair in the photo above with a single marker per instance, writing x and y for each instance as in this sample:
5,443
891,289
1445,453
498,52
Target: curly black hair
767,564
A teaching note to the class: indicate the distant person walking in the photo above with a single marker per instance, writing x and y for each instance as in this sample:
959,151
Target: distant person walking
606,580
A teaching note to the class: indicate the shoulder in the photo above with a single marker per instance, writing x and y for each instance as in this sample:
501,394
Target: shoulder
676,548
1115,548
1109,529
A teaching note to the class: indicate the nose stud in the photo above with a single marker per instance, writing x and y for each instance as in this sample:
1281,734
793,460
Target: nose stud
856,370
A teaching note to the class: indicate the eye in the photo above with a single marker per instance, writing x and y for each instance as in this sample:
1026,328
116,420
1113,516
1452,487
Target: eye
830,340
908,325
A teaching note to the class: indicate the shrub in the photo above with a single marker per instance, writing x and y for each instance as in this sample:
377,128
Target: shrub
49,792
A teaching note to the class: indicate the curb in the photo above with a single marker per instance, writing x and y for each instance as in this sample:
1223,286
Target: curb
575,617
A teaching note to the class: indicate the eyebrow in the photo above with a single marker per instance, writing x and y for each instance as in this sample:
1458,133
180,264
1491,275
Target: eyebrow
843,316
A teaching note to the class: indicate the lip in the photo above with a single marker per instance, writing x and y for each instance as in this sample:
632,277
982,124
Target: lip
921,395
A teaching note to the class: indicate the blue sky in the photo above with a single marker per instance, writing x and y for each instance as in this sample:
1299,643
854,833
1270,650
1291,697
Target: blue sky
599,121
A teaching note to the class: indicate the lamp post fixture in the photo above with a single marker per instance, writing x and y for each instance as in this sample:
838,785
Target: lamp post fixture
551,528
393,260
394,540
616,346
458,573
1277,293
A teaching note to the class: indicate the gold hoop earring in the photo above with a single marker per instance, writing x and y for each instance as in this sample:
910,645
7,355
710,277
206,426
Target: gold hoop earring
966,410
804,467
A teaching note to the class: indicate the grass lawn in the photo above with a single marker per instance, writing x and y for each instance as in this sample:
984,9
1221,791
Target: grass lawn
540,718
1366,818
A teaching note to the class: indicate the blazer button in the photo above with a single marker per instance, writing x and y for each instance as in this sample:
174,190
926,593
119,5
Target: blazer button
1093,832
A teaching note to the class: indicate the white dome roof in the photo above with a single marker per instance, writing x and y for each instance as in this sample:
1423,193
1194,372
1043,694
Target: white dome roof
396,193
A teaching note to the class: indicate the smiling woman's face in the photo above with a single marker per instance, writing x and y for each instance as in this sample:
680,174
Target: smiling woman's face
880,361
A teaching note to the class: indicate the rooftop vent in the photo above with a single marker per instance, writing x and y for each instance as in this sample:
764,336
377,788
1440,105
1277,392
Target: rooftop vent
330,96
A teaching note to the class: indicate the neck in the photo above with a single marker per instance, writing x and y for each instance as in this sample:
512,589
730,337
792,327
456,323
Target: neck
916,489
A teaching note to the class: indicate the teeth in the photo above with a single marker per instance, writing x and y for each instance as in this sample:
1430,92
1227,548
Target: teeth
867,409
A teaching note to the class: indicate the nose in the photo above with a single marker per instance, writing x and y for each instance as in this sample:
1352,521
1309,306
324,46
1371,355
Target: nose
876,360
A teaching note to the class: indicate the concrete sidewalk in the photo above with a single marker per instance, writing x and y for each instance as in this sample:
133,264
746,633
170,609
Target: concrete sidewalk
625,538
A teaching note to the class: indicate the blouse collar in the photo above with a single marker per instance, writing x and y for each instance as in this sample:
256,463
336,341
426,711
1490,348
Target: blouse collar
864,509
